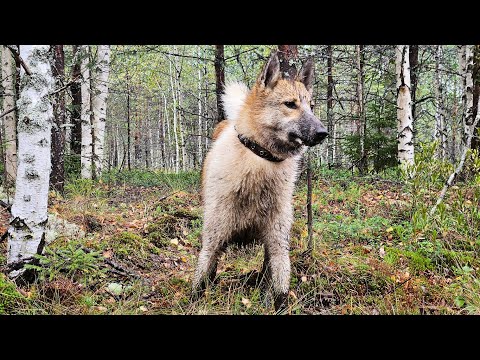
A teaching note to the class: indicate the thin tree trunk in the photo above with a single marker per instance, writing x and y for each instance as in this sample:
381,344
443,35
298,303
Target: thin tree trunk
26,233
175,131
404,109
100,106
57,176
413,57
440,131
9,120
362,123
468,93
75,89
220,79
330,120
169,136
200,122
129,145
86,149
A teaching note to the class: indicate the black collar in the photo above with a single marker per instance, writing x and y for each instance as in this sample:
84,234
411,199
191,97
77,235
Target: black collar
257,149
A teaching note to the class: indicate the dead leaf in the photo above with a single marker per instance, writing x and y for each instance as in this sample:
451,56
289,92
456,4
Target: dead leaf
143,308
246,302
292,294
382,252
304,279
174,242
107,254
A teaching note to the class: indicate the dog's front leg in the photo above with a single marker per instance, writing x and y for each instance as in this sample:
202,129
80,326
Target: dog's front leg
277,246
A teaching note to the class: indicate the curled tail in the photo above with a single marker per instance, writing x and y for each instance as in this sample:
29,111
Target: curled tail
233,99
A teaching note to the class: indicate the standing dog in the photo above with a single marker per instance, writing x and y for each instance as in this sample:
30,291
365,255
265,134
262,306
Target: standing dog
249,174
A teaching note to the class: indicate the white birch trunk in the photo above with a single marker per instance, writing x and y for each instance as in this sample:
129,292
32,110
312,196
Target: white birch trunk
468,92
404,106
166,126
86,149
9,120
26,233
99,102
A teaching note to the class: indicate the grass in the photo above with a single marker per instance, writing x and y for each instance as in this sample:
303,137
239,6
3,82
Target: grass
376,251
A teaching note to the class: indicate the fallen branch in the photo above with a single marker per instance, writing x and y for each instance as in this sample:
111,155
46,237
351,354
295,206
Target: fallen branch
19,59
459,168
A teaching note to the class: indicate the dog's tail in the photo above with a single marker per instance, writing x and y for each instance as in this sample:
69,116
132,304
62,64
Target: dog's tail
233,99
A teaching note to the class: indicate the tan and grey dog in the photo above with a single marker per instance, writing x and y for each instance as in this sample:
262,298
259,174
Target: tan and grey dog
249,174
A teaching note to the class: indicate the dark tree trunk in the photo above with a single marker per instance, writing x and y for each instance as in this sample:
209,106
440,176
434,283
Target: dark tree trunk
220,79
76,91
330,124
129,166
413,57
57,175
287,54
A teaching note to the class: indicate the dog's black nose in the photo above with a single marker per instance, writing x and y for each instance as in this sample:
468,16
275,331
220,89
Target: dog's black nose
320,136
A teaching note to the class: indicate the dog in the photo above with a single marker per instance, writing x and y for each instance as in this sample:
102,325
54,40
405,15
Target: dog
249,173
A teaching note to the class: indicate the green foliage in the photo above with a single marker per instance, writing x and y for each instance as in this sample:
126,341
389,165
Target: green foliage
380,141
72,167
9,296
84,187
71,261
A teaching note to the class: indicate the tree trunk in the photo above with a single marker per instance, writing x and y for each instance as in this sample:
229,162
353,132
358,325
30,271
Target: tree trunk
404,107
220,79
86,149
100,107
476,94
75,89
57,176
440,126
200,120
287,54
129,145
468,93
175,131
26,233
413,57
10,120
362,121
330,120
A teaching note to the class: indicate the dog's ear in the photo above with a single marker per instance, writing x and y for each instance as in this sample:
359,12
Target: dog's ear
306,74
271,72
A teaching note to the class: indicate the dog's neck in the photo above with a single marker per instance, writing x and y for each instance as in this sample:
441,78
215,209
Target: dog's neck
257,149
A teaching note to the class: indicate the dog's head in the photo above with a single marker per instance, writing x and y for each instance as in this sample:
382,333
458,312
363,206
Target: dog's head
282,107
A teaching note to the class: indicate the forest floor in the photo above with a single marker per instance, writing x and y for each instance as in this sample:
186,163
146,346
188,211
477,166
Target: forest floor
143,236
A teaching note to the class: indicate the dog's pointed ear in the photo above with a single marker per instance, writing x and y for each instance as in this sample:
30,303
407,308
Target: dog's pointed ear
271,72
306,74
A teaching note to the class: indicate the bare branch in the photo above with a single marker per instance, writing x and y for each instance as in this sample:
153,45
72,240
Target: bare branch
19,59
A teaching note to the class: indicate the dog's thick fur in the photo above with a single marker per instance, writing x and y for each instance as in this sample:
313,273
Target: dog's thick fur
247,197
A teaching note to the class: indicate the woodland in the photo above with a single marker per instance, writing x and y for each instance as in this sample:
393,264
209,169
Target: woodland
100,196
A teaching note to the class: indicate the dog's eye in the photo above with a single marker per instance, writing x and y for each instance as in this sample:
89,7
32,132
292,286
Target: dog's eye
290,104
312,106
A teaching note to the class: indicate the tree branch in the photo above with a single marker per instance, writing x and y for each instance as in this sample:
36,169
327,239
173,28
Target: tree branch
19,59
7,112
459,168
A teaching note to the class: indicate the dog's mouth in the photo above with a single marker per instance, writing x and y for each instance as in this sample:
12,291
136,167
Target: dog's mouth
299,140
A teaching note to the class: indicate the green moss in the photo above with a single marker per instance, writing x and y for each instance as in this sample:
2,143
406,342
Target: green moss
9,296
417,262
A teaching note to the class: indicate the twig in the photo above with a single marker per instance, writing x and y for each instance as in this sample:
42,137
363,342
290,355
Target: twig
19,59
121,268
459,168
7,112
5,205
63,87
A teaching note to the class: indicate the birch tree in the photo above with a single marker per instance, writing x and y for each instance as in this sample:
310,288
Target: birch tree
9,119
404,106
86,151
468,93
99,106
220,79
26,233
